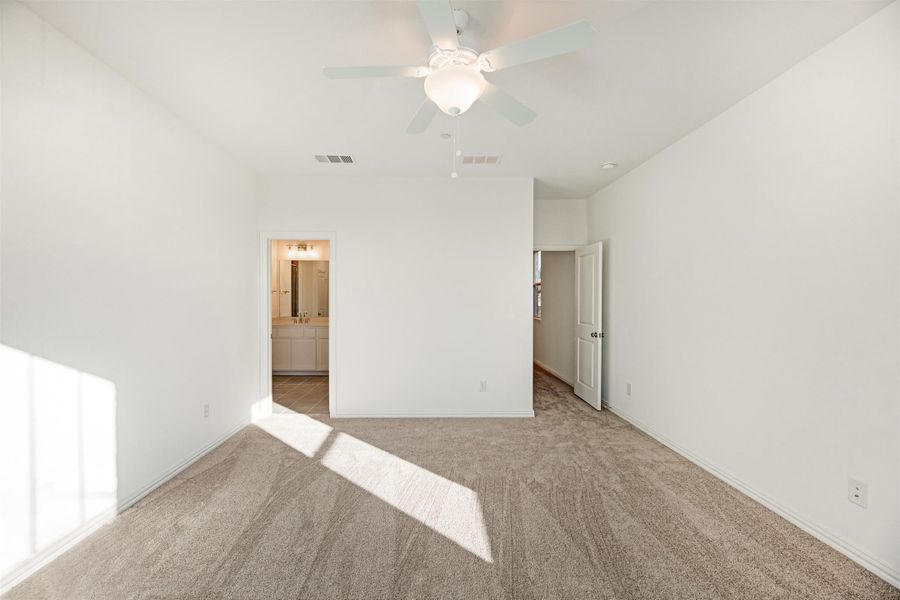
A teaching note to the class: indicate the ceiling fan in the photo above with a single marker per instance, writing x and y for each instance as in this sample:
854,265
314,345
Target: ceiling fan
453,73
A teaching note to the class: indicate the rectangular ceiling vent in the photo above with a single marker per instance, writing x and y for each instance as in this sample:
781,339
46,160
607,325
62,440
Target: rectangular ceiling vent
337,159
481,159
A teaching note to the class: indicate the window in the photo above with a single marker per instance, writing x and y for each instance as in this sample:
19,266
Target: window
536,299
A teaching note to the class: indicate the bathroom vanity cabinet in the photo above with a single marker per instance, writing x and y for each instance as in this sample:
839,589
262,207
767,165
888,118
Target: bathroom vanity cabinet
299,348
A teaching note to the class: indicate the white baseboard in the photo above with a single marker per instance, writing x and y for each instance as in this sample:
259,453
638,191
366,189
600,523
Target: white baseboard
554,372
46,556
867,561
23,570
435,415
171,472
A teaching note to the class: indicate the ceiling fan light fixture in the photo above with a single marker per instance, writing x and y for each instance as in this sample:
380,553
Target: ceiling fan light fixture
454,88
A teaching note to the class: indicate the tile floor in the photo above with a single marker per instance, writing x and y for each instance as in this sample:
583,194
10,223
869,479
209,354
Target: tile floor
306,394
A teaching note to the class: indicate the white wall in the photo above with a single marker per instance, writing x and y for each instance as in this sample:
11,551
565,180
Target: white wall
752,291
432,281
129,254
559,224
554,333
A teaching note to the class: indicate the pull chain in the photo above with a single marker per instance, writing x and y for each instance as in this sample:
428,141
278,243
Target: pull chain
455,148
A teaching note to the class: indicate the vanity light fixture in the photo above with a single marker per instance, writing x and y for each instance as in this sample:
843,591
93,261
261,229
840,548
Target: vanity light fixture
301,250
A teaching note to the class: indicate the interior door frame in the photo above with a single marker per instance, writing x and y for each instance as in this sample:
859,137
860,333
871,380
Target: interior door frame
265,313
555,248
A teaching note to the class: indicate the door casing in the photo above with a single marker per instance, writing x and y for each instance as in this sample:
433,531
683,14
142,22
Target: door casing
266,238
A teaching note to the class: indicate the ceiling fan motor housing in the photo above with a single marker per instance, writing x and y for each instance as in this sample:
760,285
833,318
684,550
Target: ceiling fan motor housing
441,58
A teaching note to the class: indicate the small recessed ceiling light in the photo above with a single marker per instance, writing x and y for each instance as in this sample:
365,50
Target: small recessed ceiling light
609,165
445,136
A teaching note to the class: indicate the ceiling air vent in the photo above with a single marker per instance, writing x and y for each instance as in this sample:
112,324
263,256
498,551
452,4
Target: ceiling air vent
340,159
480,159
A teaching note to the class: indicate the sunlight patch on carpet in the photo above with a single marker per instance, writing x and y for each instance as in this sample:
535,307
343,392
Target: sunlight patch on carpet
450,509
299,431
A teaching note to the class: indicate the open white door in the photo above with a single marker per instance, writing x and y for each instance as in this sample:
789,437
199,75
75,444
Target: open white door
588,322
284,288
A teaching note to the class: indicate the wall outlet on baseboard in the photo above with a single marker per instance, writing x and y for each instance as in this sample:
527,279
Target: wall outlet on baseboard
205,411
482,386
627,389
857,492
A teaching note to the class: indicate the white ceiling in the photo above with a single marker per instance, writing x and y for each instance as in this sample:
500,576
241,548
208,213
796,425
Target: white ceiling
248,75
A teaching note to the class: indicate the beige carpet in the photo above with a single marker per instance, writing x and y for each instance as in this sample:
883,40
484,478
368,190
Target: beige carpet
571,504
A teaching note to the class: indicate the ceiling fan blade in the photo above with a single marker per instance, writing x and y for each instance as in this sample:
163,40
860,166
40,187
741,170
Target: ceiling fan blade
373,71
506,105
422,117
543,45
438,17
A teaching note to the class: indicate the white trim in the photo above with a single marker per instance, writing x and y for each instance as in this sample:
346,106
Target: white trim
49,554
434,415
554,372
265,310
557,247
867,561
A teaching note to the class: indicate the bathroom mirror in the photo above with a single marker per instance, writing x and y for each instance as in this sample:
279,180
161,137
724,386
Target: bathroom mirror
302,288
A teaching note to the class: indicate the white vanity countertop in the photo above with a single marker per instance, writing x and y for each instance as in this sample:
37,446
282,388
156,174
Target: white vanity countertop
313,321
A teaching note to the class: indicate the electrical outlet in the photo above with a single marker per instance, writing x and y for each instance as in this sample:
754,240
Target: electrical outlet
857,492
627,389
483,386
205,410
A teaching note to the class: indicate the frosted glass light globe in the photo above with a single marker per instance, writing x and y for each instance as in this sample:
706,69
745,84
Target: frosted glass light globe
454,88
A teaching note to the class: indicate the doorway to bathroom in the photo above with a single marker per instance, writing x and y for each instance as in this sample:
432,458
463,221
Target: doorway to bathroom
297,351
